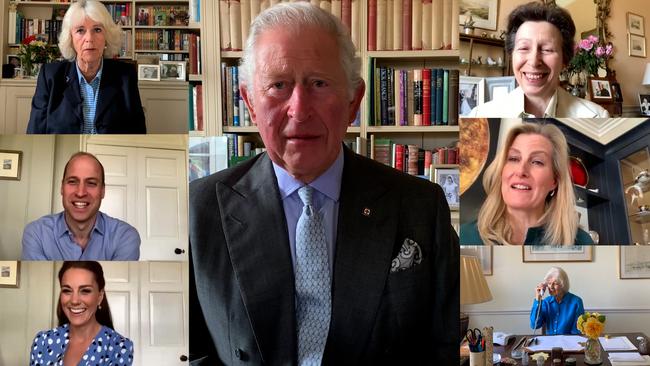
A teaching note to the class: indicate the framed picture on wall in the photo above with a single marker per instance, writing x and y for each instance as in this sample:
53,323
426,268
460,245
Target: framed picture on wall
600,89
9,274
636,45
635,24
471,92
449,180
548,253
633,262
483,253
483,13
10,164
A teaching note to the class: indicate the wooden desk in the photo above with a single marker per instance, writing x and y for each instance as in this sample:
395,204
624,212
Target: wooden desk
505,350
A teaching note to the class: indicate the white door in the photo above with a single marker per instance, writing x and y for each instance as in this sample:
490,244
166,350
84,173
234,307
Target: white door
164,304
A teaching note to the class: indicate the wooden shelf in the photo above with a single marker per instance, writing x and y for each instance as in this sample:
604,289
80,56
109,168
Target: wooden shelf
440,54
483,40
641,217
407,129
232,54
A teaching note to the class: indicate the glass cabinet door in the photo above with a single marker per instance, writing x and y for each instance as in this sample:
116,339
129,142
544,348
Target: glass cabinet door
635,172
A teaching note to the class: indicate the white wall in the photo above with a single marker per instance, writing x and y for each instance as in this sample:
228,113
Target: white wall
626,303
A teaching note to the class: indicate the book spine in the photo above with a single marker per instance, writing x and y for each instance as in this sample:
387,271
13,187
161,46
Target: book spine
224,93
446,23
389,24
406,24
235,96
390,76
383,95
245,19
436,24
235,25
397,97
411,99
417,97
336,9
455,39
255,9
412,160
416,25
224,24
190,109
454,76
355,24
426,24
372,25
404,90
381,25
229,98
434,90
199,107
399,157
426,97
427,163
445,98
346,14
397,25
439,77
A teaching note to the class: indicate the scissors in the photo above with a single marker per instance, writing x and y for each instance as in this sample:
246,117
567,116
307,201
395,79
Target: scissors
473,336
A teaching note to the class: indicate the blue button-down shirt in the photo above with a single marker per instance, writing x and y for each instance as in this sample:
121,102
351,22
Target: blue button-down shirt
560,318
49,238
327,189
90,96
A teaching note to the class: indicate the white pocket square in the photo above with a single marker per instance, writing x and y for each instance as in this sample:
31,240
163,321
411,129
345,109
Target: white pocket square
409,255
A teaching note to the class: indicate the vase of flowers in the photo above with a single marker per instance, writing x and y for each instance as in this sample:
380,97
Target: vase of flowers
34,53
590,56
592,325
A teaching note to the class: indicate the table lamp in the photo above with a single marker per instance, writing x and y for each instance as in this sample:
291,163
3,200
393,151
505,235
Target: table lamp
473,287
646,75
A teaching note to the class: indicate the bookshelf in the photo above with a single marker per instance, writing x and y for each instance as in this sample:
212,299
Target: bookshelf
473,46
171,32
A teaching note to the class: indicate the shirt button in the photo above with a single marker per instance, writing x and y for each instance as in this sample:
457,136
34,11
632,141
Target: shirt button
238,353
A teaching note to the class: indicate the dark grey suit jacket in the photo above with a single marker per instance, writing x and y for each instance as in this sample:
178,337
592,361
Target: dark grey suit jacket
242,291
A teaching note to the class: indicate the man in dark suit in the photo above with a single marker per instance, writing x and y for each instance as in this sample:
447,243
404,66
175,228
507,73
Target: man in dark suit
57,106
362,269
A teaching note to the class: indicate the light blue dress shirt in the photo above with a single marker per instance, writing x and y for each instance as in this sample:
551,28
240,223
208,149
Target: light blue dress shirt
327,189
49,238
560,318
90,96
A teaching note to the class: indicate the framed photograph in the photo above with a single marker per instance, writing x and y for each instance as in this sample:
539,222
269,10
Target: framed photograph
636,45
552,253
172,70
13,60
499,86
633,262
616,92
9,274
644,104
483,12
635,24
600,89
483,253
149,72
10,163
471,92
449,179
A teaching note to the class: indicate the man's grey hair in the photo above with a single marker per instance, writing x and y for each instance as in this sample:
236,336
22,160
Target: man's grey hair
295,16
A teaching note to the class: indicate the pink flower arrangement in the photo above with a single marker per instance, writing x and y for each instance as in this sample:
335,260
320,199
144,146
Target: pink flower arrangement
590,56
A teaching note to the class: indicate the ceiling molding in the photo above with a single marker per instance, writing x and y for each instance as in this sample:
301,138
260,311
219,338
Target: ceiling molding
602,130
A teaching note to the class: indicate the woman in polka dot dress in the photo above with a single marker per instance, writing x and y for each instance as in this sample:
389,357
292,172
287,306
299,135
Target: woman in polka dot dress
85,335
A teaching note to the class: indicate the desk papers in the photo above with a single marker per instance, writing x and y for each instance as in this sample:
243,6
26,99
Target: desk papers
645,362
617,344
567,342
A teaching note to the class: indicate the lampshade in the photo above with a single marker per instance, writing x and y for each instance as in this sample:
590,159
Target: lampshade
646,75
473,287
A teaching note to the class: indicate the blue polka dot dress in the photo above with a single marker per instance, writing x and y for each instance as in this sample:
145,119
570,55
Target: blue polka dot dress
108,348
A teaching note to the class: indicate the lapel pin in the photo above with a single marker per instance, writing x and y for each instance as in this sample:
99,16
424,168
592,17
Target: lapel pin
366,212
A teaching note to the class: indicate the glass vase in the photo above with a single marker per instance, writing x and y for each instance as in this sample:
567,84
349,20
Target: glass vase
593,352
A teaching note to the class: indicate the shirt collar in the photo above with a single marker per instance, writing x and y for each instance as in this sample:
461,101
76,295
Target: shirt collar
328,183
520,98
62,228
97,78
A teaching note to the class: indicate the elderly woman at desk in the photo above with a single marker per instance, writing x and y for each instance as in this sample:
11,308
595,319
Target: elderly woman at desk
530,198
559,312
87,93
539,39
85,334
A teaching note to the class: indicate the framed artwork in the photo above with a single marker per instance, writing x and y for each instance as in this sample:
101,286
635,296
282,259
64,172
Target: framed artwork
633,262
471,92
483,253
600,89
483,13
10,164
149,72
616,92
172,70
552,253
635,24
449,180
499,86
644,104
636,45
9,274
13,60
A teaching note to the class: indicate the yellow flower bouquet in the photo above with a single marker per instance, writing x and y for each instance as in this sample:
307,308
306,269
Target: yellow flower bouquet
591,324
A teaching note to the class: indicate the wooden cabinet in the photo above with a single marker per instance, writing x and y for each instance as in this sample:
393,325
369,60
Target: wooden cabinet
475,47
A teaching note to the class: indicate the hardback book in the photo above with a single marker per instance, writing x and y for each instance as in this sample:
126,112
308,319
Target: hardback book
336,9
397,25
390,75
397,96
355,23
199,107
416,25
445,98
417,97
235,96
436,24
454,25
346,14
410,94
255,8
389,25
224,24
381,25
426,25
439,92
372,25
433,99
446,23
406,24
235,25
383,95
454,76
426,97
245,19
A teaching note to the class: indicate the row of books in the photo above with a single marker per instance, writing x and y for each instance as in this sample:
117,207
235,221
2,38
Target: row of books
121,13
127,43
196,107
412,24
163,39
235,17
410,159
413,97
242,147
233,109
194,64
45,29
167,15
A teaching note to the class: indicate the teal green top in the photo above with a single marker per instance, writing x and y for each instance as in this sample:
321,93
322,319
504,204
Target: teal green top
469,235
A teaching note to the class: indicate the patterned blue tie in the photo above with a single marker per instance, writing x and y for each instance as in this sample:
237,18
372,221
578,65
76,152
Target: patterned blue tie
313,297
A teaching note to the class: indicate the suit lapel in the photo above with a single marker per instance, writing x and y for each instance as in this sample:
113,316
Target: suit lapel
72,92
364,248
256,235
108,89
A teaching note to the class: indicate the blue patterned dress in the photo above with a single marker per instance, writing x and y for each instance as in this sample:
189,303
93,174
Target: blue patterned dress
107,348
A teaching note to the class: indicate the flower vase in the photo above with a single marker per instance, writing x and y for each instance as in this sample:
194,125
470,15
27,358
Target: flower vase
593,352
34,70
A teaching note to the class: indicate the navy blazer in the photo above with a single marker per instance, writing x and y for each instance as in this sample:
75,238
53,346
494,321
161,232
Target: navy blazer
57,106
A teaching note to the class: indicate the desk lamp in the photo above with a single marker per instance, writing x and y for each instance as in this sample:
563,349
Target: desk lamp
473,287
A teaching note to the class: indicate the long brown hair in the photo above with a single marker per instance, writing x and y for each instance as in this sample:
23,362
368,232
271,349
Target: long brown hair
103,313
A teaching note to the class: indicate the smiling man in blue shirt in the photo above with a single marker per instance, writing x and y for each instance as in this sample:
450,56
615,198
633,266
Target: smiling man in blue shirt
81,231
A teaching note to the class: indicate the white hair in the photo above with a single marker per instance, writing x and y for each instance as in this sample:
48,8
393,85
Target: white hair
560,276
296,16
96,11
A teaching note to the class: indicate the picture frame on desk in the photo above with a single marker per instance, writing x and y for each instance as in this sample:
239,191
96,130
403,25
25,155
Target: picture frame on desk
644,104
149,72
483,12
633,262
449,180
499,86
174,70
9,274
548,253
600,89
636,45
471,92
